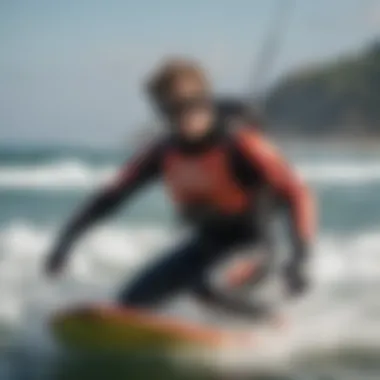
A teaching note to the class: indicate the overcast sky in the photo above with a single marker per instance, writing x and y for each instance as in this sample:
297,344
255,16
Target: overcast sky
70,70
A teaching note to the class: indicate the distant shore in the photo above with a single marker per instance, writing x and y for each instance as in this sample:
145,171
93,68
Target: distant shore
133,138
370,142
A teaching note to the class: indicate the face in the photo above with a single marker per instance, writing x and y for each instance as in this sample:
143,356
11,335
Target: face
190,111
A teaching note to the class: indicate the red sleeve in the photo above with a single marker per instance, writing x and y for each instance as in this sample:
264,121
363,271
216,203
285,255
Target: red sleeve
282,178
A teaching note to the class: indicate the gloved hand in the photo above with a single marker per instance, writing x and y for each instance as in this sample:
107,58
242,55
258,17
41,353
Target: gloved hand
56,259
295,279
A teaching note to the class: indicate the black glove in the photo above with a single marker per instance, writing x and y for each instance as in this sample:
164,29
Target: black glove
100,205
56,259
295,278
295,275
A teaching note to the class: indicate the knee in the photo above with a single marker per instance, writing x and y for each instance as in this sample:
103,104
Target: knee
203,292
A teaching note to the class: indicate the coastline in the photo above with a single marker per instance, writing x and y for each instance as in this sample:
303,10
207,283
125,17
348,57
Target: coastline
369,143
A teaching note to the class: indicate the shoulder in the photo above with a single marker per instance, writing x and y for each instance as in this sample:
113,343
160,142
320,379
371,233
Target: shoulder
160,144
249,141
243,135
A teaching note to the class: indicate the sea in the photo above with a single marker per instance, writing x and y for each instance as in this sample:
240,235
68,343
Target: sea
334,332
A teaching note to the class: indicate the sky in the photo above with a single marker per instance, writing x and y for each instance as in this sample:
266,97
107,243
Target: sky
71,71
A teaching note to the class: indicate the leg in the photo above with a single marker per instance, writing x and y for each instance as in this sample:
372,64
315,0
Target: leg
174,273
230,304
247,274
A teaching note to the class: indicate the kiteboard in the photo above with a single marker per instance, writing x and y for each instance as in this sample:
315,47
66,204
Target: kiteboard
100,327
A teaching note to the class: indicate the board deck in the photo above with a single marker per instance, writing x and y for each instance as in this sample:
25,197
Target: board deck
112,328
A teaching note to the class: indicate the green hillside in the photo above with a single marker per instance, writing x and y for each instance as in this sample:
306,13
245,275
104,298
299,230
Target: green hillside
336,97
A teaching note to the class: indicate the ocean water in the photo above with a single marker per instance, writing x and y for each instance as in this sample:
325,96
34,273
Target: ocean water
335,330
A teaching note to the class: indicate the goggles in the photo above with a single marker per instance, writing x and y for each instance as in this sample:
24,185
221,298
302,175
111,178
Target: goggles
174,109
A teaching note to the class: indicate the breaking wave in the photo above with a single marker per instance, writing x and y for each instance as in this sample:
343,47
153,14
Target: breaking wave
76,174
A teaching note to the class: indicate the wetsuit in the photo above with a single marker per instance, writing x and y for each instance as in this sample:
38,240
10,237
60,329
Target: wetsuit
215,184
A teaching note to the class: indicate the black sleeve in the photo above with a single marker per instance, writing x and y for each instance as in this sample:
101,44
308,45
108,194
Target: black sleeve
143,168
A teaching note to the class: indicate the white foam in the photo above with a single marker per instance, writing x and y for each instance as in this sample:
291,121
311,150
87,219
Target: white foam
334,173
342,309
61,175
73,175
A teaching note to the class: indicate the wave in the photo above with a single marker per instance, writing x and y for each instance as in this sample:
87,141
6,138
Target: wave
341,173
345,273
60,175
77,175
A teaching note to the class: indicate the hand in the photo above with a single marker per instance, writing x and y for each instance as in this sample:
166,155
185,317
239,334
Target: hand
55,261
296,280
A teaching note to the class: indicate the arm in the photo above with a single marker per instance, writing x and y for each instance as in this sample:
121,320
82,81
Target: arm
131,178
277,174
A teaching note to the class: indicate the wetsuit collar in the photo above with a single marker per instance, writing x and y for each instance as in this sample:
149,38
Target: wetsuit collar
215,134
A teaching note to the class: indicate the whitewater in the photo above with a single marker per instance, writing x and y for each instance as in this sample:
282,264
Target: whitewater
340,316
77,175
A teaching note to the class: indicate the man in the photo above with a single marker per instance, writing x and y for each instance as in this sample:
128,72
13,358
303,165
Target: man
215,175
